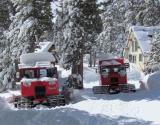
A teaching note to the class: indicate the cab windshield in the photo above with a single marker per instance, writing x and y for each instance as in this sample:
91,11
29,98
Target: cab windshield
39,73
107,70
29,73
48,73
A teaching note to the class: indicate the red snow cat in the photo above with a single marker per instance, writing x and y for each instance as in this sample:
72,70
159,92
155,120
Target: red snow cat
113,77
39,82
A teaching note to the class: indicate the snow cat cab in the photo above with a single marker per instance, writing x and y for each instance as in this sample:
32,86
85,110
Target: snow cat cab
39,82
113,77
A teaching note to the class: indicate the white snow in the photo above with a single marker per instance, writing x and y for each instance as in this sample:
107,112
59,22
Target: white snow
152,81
111,62
44,46
140,108
31,59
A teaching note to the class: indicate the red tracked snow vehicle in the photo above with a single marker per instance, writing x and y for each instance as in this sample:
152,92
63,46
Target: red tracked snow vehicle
113,77
39,82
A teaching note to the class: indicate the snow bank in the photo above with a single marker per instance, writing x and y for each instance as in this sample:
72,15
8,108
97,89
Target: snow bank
63,116
3,106
152,81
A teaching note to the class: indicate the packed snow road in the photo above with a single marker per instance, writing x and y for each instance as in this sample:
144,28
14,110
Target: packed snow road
140,108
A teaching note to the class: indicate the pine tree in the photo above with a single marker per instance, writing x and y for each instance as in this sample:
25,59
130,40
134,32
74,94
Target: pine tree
4,14
133,11
154,61
4,24
30,24
4,21
81,23
149,13
61,19
112,37
43,14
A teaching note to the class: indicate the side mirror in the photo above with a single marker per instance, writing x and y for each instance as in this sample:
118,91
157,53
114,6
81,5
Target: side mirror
17,75
126,65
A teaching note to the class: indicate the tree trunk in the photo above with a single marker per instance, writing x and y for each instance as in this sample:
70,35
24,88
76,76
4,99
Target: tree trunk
94,58
77,73
90,60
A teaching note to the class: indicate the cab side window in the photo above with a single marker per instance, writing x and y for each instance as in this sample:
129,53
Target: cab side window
43,73
28,74
105,70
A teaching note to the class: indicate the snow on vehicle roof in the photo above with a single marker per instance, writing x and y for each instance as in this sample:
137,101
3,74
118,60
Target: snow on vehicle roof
110,62
44,47
42,59
143,35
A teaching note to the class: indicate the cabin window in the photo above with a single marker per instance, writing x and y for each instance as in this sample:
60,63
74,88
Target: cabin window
105,70
134,46
29,74
43,73
140,57
130,58
52,73
134,59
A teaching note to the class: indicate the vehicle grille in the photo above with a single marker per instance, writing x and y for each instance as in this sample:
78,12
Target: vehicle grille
114,80
40,91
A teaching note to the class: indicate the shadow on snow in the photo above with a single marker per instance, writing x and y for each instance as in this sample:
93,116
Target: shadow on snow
138,95
63,116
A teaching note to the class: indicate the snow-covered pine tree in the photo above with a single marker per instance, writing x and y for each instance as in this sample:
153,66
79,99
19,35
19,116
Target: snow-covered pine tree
80,24
43,14
112,37
133,14
4,14
93,26
31,23
154,61
4,24
60,20
149,13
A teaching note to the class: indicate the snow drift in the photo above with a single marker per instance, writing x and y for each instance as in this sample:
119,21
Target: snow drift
152,81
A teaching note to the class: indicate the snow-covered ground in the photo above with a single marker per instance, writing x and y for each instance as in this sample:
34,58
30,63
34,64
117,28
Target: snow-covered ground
140,108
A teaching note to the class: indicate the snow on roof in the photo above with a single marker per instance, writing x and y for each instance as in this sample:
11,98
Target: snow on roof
143,35
44,47
110,63
36,59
